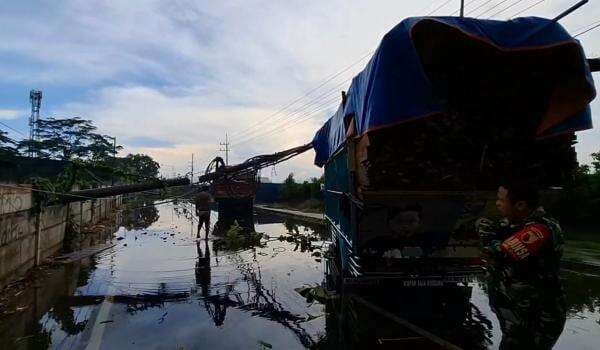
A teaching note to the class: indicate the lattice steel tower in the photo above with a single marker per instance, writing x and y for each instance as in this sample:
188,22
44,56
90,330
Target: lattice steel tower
35,96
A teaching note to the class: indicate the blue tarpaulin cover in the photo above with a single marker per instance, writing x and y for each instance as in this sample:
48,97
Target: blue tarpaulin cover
393,87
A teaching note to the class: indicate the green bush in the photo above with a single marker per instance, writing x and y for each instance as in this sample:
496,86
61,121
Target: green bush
295,192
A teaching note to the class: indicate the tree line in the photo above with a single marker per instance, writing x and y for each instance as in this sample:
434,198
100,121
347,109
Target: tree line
76,140
293,191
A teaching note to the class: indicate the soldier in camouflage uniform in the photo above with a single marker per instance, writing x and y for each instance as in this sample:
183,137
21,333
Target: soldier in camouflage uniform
523,251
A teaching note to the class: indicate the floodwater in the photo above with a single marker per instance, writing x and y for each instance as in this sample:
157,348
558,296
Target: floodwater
162,288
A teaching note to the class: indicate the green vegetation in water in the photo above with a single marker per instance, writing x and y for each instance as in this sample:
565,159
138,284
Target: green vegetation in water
314,293
304,241
264,345
237,237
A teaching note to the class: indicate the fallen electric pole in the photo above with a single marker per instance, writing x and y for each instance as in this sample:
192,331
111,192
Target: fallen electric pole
251,164
92,193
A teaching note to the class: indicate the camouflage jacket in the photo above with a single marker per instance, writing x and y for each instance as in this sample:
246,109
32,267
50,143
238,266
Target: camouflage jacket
530,251
523,285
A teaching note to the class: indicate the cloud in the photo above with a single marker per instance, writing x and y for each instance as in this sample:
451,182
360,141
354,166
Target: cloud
11,113
142,141
171,128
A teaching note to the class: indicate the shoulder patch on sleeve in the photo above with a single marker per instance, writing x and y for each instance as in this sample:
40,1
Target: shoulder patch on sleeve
527,241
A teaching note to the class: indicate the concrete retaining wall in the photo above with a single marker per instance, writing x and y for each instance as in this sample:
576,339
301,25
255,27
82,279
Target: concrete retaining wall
21,247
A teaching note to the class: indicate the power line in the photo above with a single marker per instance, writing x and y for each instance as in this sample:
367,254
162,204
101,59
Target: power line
306,94
425,8
302,108
250,134
321,97
281,127
13,129
588,30
248,131
309,114
506,8
491,8
480,6
458,10
293,122
323,105
585,26
323,83
298,122
525,9
308,117
438,8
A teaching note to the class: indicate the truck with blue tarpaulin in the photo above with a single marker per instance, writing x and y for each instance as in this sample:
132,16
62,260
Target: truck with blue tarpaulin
445,110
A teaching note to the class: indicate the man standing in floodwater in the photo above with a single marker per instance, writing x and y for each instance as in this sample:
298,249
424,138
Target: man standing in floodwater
523,252
202,202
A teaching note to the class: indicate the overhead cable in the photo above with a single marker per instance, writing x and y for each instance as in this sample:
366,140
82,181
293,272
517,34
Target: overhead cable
306,94
588,30
307,116
480,6
438,8
458,9
283,118
13,129
295,121
506,8
491,8
526,9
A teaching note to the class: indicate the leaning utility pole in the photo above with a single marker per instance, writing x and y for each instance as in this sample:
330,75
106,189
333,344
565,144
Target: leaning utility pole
226,150
92,193
192,177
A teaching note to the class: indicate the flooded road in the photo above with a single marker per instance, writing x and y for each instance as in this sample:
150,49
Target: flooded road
162,288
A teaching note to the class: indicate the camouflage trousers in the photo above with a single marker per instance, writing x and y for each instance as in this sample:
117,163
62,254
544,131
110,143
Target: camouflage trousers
531,316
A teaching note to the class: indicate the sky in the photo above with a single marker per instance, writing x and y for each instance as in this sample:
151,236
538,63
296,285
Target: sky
170,78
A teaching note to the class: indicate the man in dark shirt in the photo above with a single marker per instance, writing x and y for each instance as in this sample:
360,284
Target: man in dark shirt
203,202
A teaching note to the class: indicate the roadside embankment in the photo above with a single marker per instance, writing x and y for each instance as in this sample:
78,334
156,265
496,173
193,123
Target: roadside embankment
316,218
28,237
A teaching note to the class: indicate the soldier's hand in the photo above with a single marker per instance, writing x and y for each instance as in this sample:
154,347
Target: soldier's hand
485,227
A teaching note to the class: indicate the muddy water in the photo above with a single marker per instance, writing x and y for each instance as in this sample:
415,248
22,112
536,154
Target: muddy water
160,287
